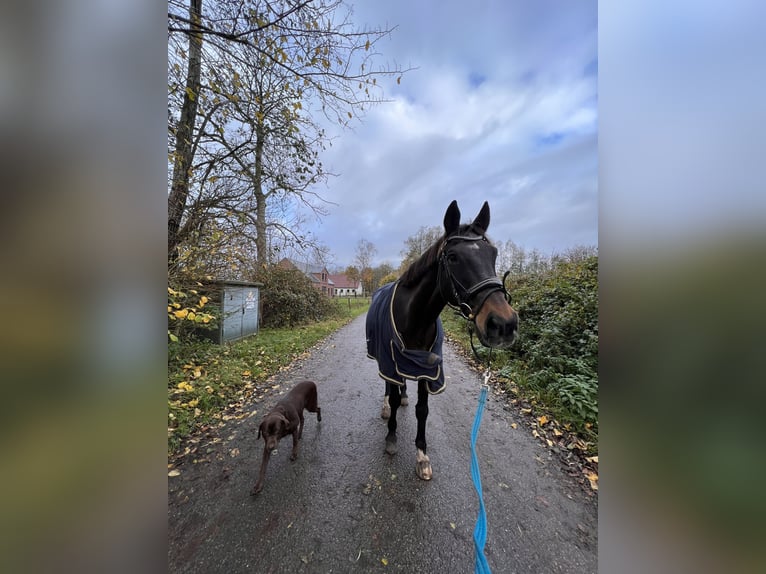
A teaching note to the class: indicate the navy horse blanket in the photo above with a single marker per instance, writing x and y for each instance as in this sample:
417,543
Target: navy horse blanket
384,344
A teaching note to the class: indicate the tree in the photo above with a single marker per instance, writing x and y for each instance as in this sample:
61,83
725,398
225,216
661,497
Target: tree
511,257
381,272
536,262
353,274
184,151
416,245
365,251
244,144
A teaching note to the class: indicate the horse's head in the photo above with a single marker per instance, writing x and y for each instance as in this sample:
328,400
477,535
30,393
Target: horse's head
468,282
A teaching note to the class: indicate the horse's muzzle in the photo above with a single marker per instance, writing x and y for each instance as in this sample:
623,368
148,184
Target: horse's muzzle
497,324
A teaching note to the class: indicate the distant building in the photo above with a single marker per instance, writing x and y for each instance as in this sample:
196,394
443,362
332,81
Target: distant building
317,274
344,287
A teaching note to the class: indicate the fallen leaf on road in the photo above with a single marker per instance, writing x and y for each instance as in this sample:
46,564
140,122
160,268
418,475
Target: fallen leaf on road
174,472
593,478
452,525
234,452
385,561
592,459
514,425
542,420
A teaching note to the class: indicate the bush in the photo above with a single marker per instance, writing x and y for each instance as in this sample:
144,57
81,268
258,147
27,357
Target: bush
188,312
558,345
289,299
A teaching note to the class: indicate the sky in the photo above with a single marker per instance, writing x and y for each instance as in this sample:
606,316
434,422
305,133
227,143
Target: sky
501,107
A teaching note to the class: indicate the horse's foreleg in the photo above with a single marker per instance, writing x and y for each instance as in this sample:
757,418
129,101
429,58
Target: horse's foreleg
394,398
423,464
405,401
385,412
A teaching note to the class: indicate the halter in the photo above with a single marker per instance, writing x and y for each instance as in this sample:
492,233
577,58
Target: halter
458,292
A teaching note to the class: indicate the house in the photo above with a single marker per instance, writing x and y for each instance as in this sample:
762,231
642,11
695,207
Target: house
344,287
317,274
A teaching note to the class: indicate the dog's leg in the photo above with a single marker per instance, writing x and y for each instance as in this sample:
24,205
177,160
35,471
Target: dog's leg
300,426
262,474
294,454
312,405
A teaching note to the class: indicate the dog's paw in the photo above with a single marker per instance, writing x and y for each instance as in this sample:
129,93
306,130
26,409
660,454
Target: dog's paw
256,489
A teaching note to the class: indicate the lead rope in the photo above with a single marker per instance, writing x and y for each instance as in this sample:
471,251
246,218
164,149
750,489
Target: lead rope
480,531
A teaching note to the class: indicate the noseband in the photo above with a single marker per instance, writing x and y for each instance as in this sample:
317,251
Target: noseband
457,295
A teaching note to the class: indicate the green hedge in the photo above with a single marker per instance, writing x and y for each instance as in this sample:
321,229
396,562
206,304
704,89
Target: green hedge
558,343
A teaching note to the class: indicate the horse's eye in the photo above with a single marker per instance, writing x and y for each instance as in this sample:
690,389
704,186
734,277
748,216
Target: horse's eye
451,257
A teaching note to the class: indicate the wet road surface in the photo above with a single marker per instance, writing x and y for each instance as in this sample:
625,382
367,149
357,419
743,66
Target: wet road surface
346,506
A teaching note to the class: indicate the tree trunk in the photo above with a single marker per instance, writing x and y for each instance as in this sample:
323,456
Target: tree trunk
179,191
261,255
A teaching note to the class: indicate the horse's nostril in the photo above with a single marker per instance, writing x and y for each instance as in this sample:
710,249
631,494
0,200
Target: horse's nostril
498,327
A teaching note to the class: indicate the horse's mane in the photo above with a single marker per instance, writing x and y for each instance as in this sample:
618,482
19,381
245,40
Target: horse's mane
418,268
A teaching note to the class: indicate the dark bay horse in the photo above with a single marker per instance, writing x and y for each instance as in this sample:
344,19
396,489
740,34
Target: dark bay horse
404,331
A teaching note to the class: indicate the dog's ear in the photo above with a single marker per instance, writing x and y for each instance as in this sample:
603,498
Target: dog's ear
284,421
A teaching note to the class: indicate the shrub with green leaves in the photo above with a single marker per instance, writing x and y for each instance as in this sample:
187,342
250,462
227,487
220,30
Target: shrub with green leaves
289,299
558,346
188,311
554,362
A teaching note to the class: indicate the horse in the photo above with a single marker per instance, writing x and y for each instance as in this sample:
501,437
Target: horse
404,330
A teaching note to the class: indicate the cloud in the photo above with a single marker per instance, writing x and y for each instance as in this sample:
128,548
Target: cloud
484,117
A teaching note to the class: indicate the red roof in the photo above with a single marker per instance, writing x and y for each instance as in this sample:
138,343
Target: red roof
343,282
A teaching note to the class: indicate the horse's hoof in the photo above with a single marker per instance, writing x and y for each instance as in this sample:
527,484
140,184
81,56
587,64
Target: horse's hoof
423,467
386,412
405,401
391,447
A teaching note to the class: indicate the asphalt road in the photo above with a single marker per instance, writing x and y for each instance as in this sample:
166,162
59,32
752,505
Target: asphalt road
346,506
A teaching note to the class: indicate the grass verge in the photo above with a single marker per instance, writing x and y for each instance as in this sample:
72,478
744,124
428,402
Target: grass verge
205,379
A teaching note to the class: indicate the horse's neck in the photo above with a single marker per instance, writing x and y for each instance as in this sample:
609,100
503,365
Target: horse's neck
416,310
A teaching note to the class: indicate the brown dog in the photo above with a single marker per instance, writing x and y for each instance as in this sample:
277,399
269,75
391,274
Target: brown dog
284,419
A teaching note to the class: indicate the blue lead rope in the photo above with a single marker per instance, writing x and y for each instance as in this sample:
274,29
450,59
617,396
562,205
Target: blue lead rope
480,532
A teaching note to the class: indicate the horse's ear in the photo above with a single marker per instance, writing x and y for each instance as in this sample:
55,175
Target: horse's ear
451,218
482,220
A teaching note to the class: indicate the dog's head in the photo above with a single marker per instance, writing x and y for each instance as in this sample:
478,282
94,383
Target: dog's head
273,427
